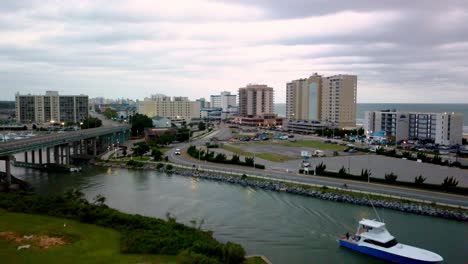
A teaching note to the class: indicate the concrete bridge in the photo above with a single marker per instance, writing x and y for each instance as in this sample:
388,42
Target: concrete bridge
63,145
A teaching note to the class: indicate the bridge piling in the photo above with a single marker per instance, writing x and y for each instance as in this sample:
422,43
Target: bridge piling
8,170
40,156
33,156
61,154
56,154
47,155
67,153
95,147
26,156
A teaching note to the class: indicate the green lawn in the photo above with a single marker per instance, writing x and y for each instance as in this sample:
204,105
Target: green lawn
306,143
266,156
90,243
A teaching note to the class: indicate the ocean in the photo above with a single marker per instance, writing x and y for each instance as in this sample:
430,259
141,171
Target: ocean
437,108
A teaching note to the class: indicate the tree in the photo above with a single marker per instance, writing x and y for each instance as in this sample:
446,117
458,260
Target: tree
139,123
449,182
140,149
183,134
220,157
419,180
365,174
391,177
110,113
249,161
320,168
235,159
342,172
156,154
91,122
201,126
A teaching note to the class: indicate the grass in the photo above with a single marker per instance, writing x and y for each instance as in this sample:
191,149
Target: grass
266,156
90,244
306,143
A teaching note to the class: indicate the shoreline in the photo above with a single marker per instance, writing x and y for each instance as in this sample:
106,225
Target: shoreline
323,193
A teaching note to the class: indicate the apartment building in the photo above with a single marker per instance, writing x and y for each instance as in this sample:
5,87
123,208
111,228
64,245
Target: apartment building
338,100
256,100
442,128
327,99
176,108
51,108
225,100
303,98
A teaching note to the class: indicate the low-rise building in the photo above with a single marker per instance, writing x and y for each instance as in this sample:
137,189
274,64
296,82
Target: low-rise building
177,108
442,128
303,126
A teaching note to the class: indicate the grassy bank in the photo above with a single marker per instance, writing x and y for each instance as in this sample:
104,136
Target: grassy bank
266,156
87,243
305,143
138,234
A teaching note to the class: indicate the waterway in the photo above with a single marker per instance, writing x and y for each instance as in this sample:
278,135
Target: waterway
284,227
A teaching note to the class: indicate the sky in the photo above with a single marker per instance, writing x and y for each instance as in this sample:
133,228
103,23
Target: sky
402,51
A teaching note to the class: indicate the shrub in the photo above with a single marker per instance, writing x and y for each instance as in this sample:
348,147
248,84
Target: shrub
320,168
390,177
419,180
159,166
169,167
235,159
449,182
134,163
260,166
365,174
156,154
220,157
342,172
249,161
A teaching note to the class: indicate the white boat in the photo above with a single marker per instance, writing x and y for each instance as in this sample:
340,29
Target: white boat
372,238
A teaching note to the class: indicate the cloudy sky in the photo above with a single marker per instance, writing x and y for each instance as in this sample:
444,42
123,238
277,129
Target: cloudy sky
401,50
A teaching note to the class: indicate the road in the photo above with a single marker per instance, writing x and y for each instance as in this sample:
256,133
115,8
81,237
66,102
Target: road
355,185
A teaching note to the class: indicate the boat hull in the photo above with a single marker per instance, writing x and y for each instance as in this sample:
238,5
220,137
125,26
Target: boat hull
382,254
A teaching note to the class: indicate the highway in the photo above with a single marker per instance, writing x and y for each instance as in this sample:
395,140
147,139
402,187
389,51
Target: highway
438,197
49,140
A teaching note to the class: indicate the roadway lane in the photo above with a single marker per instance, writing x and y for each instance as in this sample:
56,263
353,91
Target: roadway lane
49,140
355,185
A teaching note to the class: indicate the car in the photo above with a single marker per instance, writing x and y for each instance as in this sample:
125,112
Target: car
177,152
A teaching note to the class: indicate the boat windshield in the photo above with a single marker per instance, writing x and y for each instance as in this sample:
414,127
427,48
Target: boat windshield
388,244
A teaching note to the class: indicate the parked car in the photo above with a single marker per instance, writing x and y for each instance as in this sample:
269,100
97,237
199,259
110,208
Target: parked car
177,152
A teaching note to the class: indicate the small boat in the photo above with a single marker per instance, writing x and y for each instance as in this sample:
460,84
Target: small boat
372,238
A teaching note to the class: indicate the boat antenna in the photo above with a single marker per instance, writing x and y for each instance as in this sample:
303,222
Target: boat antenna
373,207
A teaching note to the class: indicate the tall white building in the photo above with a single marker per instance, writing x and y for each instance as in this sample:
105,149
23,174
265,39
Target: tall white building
443,128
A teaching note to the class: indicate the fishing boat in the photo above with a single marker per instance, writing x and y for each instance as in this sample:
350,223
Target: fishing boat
372,238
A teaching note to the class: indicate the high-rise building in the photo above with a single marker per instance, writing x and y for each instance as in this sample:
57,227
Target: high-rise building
328,99
225,100
51,107
176,108
303,98
256,100
338,100
442,128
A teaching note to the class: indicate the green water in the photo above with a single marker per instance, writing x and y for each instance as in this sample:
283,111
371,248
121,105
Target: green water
286,228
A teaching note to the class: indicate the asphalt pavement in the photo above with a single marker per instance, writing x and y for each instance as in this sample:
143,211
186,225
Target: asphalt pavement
310,179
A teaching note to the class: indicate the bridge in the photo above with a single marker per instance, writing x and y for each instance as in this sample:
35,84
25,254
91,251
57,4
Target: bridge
82,142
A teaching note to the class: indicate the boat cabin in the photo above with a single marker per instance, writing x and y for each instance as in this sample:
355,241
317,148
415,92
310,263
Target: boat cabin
374,232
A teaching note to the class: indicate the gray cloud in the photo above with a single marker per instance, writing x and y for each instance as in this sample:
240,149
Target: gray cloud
134,48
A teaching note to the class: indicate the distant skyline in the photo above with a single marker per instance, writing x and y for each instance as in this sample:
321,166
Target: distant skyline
402,51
